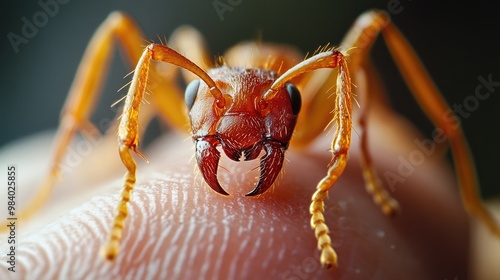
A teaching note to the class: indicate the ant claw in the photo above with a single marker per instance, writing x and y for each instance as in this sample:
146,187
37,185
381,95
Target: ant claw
270,167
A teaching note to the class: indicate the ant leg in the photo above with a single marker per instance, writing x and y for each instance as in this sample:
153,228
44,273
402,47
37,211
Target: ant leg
340,146
430,99
128,131
340,143
84,93
370,92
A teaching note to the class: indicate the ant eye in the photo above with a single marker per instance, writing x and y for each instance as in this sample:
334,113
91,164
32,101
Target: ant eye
190,93
295,98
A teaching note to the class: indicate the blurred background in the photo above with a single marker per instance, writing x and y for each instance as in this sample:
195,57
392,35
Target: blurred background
457,44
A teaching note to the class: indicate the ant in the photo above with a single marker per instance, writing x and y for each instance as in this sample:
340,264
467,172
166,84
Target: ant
255,111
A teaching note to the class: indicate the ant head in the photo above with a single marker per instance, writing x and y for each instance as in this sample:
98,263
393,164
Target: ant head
247,123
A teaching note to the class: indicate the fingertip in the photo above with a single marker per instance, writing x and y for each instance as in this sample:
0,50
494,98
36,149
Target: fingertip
179,228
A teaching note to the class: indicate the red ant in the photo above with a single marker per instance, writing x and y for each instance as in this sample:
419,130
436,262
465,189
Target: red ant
253,109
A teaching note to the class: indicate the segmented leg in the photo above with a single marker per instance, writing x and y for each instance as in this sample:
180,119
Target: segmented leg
360,38
84,93
128,136
367,81
357,43
328,255
168,103
340,143
340,146
433,104
128,139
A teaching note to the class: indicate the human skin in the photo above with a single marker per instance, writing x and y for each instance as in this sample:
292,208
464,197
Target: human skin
178,228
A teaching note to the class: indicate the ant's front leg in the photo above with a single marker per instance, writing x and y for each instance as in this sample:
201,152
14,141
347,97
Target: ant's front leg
85,92
340,143
128,132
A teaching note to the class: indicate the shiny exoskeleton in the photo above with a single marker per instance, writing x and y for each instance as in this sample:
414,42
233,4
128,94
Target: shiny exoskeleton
245,126
249,107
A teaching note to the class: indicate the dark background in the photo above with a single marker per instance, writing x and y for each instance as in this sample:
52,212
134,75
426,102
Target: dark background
457,43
